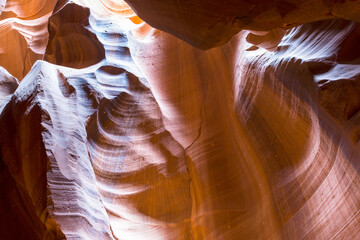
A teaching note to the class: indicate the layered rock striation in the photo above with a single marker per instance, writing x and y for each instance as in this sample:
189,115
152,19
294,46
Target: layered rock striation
207,24
122,131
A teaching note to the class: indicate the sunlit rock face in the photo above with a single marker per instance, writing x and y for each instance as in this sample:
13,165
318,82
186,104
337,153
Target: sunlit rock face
23,33
271,159
121,131
206,24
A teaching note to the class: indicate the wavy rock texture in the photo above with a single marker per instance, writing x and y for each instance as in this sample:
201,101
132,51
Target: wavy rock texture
207,24
126,132
24,35
67,31
267,161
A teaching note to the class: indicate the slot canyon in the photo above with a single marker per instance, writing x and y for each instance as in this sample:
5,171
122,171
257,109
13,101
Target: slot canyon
180,119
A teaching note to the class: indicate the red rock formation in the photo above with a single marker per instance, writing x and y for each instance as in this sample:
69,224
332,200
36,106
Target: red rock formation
67,29
208,24
24,34
127,132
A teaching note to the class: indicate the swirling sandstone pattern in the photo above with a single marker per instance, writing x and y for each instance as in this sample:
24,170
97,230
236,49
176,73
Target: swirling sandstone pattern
122,131
23,39
208,24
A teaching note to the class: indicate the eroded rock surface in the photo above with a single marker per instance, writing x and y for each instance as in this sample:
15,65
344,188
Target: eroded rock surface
123,131
207,24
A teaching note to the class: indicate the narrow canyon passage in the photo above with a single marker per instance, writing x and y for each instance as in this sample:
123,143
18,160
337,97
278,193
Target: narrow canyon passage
213,127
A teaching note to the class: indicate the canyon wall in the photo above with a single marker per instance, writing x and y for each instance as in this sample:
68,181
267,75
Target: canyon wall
111,129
